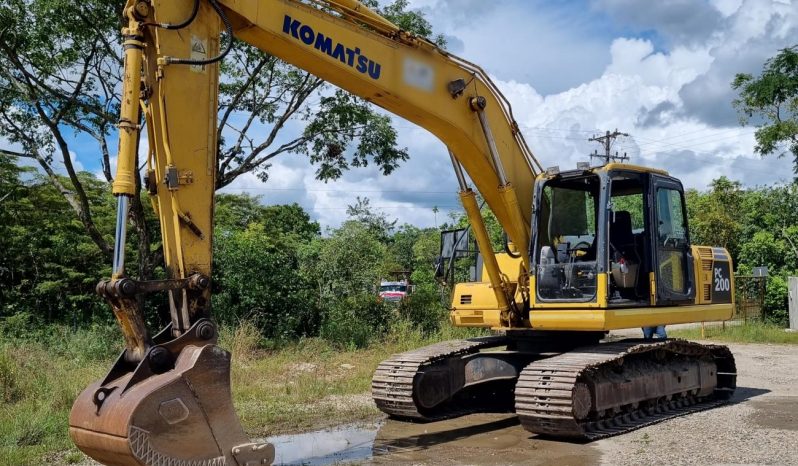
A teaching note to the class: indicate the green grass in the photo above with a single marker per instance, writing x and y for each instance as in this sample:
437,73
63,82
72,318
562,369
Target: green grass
311,383
294,387
38,383
752,332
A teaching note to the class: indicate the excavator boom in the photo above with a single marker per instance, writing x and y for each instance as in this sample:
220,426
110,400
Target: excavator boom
167,398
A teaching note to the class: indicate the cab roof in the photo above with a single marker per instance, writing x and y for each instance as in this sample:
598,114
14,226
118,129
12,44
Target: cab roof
603,169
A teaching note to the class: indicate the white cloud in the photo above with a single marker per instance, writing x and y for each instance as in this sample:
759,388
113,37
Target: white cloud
681,21
750,35
551,46
567,79
675,103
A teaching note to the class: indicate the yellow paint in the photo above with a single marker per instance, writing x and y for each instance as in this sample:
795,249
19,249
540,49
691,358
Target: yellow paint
490,264
509,266
613,319
519,223
260,23
176,120
631,167
125,180
652,283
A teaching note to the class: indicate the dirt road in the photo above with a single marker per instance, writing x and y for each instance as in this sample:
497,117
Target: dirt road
760,426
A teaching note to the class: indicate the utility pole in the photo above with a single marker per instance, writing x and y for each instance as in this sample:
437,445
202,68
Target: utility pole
606,141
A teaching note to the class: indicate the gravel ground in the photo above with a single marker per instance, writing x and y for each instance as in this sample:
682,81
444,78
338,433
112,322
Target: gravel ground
760,426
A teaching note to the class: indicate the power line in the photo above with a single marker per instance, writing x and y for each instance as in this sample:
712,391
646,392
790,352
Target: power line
398,207
606,141
405,191
667,142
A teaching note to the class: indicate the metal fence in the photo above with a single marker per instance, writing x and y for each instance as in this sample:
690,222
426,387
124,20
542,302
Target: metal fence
749,294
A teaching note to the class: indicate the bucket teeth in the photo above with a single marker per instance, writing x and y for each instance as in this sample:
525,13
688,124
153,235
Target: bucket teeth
183,417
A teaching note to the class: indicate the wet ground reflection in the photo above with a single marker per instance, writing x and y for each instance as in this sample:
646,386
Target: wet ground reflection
474,439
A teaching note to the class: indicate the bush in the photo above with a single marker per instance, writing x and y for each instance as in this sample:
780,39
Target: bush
19,325
356,321
258,280
424,310
242,340
775,307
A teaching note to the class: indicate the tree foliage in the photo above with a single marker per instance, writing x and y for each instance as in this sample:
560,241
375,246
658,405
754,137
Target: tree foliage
714,216
48,264
60,70
758,226
257,279
773,98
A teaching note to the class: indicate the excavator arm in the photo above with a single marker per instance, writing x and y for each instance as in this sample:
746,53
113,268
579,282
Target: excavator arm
167,398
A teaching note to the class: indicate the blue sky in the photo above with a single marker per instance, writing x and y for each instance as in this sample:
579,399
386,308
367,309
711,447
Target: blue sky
659,71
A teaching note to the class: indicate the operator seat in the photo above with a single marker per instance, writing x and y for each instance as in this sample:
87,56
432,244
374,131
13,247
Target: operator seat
623,246
622,238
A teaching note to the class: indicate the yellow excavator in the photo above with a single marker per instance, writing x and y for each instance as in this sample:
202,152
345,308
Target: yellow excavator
589,250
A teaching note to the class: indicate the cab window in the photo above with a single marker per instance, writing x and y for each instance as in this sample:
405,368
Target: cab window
566,246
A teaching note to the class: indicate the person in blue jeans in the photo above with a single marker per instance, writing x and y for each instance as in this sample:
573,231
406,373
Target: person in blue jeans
651,332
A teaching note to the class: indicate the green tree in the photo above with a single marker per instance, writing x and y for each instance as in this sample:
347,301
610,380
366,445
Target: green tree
349,262
376,222
48,264
714,215
772,97
60,69
400,248
773,209
235,212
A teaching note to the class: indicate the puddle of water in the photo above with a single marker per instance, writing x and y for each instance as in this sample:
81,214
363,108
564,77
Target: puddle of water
340,445
475,439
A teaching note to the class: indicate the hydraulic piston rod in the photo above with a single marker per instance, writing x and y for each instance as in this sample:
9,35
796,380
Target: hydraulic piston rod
469,200
521,234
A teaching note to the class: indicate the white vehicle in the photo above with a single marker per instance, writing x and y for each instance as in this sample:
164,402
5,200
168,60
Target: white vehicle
394,291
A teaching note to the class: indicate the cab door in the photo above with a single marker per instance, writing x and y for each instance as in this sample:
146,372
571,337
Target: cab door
673,261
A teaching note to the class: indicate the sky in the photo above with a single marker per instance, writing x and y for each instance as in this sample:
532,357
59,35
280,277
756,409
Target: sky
657,70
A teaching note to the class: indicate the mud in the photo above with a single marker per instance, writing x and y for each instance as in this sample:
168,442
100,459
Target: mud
476,439
483,439
778,412
759,426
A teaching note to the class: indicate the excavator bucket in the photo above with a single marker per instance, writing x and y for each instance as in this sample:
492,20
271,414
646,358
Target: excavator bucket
183,416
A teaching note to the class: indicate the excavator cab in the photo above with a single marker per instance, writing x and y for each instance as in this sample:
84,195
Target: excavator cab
609,248
623,222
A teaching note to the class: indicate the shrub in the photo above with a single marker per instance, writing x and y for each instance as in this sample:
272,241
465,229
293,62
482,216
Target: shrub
424,309
355,321
775,306
258,280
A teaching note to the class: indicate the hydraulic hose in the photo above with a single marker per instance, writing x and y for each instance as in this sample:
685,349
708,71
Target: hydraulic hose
228,28
181,24
507,247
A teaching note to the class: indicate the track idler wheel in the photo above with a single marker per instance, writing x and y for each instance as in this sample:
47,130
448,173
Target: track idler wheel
182,416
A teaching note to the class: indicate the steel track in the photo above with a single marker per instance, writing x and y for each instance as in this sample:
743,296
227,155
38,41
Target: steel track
545,389
393,385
